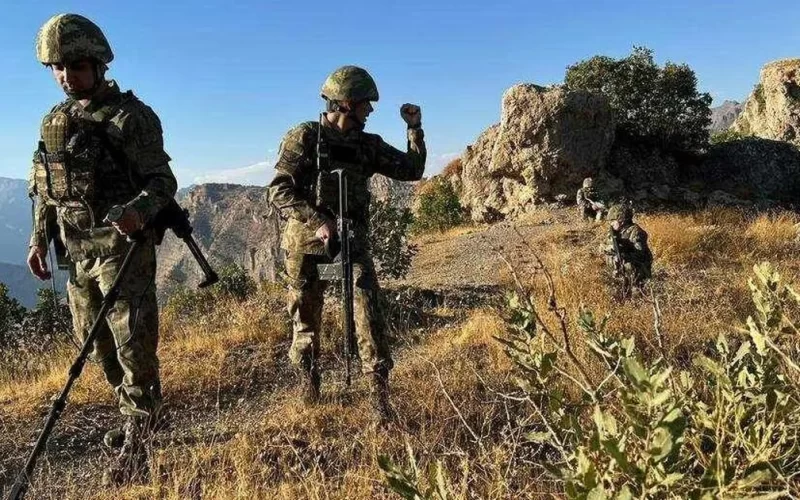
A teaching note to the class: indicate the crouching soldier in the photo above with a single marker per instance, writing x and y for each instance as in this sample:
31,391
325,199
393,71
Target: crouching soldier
589,204
302,193
626,249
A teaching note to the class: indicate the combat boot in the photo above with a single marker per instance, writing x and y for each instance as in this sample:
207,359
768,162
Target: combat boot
131,463
384,412
311,381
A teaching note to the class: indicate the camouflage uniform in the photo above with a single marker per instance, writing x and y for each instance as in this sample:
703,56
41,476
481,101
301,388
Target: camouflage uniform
587,201
294,190
290,191
634,252
88,160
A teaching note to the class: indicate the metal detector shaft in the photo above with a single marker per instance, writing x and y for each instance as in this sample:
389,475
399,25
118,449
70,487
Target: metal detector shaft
23,479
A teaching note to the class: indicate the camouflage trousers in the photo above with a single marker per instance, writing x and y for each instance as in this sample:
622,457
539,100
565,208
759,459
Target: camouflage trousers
635,273
126,344
306,293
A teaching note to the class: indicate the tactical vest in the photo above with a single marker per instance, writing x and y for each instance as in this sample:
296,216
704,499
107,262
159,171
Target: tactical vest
354,159
78,170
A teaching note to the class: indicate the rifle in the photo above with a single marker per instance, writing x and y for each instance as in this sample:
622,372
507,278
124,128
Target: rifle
171,217
342,270
619,265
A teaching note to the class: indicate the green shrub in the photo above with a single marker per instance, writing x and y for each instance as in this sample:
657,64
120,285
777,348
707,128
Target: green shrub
726,136
644,428
234,283
614,424
438,207
389,226
658,105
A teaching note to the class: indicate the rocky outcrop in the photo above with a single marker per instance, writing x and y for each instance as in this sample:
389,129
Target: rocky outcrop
754,169
235,224
773,109
723,116
547,141
385,189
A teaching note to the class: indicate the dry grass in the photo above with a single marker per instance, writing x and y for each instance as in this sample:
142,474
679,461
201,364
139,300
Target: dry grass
445,385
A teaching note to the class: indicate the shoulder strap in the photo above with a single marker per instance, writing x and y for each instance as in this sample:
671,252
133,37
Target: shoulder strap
103,117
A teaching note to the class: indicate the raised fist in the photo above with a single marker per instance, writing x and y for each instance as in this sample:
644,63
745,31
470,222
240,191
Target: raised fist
411,114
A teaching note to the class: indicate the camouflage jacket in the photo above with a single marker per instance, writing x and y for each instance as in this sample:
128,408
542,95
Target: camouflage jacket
633,247
298,185
90,159
585,197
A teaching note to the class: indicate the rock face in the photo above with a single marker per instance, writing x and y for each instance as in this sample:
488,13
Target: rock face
723,116
773,109
754,169
547,141
232,224
235,224
385,189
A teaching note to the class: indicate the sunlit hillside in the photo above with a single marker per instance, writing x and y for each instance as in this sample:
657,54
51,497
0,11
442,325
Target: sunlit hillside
236,425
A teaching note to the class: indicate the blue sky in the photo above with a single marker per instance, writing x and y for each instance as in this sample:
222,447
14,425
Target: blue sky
229,78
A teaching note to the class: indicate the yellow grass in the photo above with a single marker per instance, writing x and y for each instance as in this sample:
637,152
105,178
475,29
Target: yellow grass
446,383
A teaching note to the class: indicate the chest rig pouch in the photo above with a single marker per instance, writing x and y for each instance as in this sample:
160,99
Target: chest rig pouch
52,172
350,157
71,154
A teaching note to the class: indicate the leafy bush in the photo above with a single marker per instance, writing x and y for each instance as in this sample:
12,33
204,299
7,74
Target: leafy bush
659,105
438,207
234,284
645,429
615,425
726,136
389,225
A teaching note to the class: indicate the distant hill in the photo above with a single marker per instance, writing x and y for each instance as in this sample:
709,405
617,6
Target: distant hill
23,286
15,220
723,116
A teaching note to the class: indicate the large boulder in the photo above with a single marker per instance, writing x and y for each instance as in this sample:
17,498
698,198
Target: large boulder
773,109
754,169
547,142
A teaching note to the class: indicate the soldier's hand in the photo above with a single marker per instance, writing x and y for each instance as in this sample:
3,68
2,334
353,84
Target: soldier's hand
37,262
411,114
129,222
326,231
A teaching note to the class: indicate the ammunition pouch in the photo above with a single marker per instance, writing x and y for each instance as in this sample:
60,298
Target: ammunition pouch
63,170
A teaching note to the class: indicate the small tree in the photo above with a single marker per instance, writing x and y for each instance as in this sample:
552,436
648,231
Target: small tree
659,105
50,318
438,207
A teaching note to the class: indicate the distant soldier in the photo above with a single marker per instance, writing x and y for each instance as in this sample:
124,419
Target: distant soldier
626,249
348,92
589,204
100,148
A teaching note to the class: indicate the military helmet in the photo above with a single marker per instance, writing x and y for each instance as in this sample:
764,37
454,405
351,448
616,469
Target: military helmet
621,213
66,38
588,182
350,83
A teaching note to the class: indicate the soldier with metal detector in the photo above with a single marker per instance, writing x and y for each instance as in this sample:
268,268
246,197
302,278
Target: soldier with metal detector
101,152
315,159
